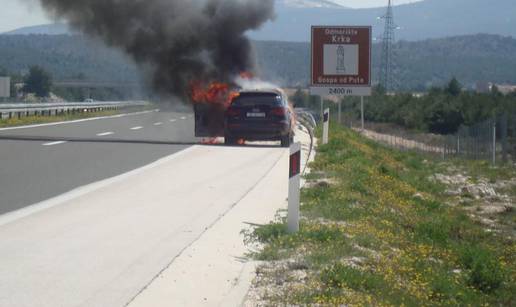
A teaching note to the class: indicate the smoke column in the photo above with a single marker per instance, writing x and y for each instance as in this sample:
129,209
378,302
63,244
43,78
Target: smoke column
179,40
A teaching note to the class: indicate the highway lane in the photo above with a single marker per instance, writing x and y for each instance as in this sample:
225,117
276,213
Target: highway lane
102,246
33,171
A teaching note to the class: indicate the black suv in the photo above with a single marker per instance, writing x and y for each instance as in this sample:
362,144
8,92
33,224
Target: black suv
258,116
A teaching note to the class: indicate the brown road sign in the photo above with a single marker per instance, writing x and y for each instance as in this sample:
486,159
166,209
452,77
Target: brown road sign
341,60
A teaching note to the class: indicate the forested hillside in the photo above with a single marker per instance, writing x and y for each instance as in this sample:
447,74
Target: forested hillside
419,65
65,57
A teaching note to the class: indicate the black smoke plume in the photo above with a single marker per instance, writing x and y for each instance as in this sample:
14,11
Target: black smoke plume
178,40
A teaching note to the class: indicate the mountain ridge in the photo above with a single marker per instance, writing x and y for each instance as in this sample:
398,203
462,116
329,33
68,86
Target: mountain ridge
419,65
417,21
45,29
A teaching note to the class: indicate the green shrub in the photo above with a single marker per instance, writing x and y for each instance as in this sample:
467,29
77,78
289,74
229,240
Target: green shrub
485,272
339,275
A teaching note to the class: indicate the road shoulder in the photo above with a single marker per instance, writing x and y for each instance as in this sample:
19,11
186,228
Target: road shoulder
214,270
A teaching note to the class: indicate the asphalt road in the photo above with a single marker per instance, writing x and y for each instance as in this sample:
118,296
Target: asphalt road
103,244
50,163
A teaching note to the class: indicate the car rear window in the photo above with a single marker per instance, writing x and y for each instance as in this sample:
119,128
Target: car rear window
258,99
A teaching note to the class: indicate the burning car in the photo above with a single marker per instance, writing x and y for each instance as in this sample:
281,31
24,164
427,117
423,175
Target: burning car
256,115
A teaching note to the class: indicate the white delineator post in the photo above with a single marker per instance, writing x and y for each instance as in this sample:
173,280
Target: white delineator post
294,187
326,126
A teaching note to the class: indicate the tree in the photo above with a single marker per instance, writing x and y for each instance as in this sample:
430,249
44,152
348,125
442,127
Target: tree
38,81
299,99
379,90
454,88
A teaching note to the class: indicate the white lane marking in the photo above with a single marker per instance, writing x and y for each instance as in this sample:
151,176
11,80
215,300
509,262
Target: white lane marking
13,216
173,120
158,124
183,117
78,120
137,128
105,133
54,143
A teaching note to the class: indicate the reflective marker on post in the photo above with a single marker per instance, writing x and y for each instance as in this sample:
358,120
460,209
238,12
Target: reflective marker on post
294,187
326,126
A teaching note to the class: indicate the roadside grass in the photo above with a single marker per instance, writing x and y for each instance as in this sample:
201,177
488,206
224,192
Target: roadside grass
383,234
32,120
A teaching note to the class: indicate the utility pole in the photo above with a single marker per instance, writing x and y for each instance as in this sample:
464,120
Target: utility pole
386,78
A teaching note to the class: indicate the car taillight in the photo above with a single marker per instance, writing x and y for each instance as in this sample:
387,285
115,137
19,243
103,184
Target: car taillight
279,111
232,112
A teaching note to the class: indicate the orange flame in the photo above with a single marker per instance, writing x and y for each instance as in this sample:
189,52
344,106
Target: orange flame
210,141
214,93
246,75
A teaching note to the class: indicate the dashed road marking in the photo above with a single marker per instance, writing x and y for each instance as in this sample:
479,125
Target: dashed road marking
54,143
137,128
183,117
158,124
173,120
105,133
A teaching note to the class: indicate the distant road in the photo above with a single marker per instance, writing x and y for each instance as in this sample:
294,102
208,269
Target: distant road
33,171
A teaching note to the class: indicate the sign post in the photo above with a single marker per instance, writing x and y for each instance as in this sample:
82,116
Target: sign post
326,126
340,111
322,106
294,187
341,62
362,111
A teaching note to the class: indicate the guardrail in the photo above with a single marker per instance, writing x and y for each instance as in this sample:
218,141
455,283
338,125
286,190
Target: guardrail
11,110
306,119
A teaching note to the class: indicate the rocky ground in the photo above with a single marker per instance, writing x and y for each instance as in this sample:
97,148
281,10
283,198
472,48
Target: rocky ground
491,202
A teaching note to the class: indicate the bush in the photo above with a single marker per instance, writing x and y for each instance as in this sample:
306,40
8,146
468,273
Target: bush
485,272
339,275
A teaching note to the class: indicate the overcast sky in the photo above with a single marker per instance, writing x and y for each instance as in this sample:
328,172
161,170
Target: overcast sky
370,3
21,13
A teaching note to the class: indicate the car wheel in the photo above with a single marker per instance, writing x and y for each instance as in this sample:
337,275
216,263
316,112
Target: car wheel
285,141
228,140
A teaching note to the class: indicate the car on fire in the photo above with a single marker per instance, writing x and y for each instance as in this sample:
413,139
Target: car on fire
259,116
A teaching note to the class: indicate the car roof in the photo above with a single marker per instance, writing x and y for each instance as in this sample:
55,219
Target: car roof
261,92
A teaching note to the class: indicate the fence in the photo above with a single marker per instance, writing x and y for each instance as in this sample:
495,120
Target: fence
493,140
